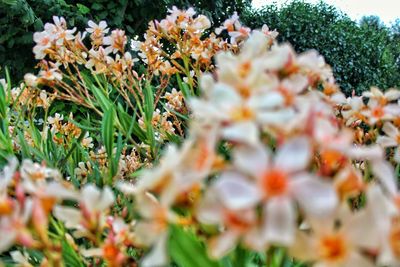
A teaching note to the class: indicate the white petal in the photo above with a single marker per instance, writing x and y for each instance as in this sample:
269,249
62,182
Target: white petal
236,192
251,160
357,260
103,24
221,245
253,241
158,256
55,189
225,96
280,219
246,132
302,248
94,252
385,174
386,141
210,210
147,205
371,152
294,155
296,84
391,130
275,117
392,94
92,24
380,206
267,101
106,200
7,239
70,216
316,197
364,235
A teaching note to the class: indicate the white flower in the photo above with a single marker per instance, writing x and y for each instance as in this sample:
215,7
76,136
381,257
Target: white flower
391,139
97,29
43,41
234,224
30,79
331,245
279,184
51,74
91,216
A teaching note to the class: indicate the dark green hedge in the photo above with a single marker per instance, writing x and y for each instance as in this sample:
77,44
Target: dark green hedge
361,54
19,19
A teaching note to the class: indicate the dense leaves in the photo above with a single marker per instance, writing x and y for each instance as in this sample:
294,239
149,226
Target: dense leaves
361,55
19,19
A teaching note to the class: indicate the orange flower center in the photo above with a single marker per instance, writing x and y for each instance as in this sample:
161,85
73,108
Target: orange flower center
97,32
330,89
242,114
235,221
351,184
289,96
244,69
331,159
110,252
274,182
48,203
394,237
244,91
38,175
333,247
377,112
45,41
204,154
5,206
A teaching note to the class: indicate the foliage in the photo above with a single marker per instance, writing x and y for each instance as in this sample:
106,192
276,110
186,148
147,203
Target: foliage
194,148
19,19
360,54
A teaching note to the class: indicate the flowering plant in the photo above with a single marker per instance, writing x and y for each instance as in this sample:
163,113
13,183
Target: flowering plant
267,163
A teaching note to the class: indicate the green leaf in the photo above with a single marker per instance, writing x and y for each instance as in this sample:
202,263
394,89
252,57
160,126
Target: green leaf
97,6
101,97
130,124
69,255
83,9
107,133
187,251
148,115
183,87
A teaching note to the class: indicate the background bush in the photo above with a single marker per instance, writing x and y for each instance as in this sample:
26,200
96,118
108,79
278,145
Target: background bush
19,19
361,55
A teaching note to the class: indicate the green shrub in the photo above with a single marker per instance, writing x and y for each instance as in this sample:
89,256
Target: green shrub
19,19
361,55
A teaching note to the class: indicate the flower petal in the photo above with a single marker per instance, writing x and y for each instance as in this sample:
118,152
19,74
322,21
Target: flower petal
386,141
246,132
221,245
385,174
210,210
278,117
158,255
280,219
236,192
391,130
294,155
252,160
316,197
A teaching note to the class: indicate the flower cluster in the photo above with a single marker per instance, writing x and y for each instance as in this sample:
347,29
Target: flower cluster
291,173
189,50
269,153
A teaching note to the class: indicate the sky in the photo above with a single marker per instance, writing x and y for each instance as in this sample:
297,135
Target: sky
387,10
